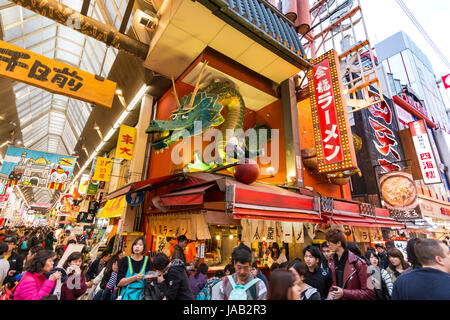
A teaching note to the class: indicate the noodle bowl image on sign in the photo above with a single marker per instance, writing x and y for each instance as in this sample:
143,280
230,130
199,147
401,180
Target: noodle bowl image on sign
398,190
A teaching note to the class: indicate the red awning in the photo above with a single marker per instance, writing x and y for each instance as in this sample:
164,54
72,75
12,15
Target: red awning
141,185
360,221
191,196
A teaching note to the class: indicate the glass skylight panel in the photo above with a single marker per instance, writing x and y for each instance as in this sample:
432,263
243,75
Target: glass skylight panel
27,13
13,33
34,23
70,46
10,16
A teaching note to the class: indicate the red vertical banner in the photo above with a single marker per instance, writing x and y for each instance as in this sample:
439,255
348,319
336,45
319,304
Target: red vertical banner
332,134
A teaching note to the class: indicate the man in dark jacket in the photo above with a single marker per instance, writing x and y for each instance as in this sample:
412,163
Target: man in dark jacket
384,260
15,262
432,281
178,251
349,273
173,278
318,275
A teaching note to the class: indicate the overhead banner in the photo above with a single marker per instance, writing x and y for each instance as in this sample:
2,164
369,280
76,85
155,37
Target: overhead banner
113,208
37,169
25,66
125,142
425,155
332,135
103,169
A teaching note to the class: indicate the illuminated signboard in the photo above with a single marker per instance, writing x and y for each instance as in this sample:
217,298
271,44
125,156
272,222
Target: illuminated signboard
54,76
385,142
332,135
103,169
428,166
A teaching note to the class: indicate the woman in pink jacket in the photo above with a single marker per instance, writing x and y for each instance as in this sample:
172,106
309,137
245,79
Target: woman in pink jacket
34,285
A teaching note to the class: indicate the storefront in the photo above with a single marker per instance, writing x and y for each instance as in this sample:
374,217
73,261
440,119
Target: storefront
437,215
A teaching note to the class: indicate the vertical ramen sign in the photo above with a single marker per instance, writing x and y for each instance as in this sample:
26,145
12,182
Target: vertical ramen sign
332,135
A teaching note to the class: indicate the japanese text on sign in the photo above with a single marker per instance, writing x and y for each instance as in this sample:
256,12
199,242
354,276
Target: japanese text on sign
428,166
103,169
126,142
331,130
54,76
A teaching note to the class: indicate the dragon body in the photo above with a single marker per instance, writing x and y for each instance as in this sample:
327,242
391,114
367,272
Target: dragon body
218,104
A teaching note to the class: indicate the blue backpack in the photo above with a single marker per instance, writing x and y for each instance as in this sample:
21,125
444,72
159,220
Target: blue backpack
134,290
24,245
205,293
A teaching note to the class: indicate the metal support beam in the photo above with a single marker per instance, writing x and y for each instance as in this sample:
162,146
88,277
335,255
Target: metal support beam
85,7
62,14
126,16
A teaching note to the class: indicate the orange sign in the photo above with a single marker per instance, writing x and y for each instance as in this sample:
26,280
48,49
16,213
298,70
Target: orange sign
54,76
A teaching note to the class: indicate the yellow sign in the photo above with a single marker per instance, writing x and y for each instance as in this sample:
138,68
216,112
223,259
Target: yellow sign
103,169
125,142
113,208
54,76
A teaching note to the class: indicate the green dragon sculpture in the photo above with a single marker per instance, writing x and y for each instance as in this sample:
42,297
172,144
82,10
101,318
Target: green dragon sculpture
219,105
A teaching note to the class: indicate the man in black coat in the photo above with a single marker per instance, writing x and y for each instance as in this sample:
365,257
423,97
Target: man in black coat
173,278
15,261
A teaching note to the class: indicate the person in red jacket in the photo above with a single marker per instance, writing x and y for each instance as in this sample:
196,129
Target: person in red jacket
349,273
75,285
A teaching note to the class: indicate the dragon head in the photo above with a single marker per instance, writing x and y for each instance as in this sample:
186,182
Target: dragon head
205,109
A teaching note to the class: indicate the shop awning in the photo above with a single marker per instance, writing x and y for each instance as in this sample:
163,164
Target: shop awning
113,208
190,196
348,213
144,185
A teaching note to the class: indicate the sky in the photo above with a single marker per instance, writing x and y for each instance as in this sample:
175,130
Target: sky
385,17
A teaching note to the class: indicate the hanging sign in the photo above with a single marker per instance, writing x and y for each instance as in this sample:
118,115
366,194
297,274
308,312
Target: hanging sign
428,165
135,199
125,142
299,236
3,189
92,189
84,182
332,135
34,69
33,168
103,169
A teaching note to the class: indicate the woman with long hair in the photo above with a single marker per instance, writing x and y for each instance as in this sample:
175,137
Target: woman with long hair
49,241
198,280
397,264
276,255
283,286
34,285
108,285
75,285
132,269
381,279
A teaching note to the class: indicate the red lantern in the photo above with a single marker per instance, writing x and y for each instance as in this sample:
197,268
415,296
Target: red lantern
247,172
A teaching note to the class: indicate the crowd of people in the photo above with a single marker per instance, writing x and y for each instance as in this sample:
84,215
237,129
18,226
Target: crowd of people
30,269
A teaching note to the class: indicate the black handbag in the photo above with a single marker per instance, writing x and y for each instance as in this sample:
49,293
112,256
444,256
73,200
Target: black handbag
152,290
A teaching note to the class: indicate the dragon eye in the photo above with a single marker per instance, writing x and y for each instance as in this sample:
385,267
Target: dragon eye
174,117
184,116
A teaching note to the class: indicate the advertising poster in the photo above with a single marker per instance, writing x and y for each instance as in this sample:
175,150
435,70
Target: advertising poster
33,168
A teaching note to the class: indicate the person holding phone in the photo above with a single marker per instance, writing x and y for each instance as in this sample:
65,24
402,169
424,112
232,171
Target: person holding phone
349,273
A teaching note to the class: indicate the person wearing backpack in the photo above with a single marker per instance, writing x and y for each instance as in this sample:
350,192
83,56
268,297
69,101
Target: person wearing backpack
242,285
198,280
210,292
130,277
24,244
172,278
